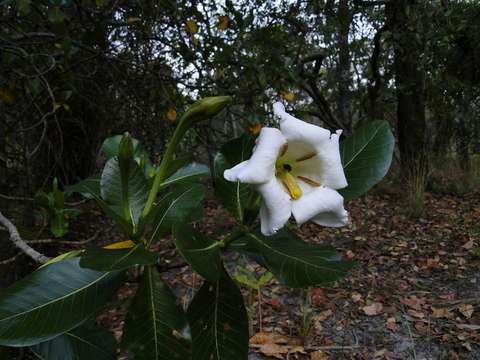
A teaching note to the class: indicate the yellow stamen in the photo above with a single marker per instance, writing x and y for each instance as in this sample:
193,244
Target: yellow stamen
290,183
306,157
308,181
283,150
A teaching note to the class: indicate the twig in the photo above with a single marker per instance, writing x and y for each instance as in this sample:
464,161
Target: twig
20,243
64,242
11,259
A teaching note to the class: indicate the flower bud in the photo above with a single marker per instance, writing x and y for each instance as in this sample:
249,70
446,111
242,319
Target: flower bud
207,107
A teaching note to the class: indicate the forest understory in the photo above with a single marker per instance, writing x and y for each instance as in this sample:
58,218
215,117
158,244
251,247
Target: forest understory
413,294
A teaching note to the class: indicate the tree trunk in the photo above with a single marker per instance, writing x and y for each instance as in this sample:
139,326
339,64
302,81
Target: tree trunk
463,138
343,67
404,17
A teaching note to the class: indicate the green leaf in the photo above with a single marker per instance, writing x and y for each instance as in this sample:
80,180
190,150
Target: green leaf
85,342
67,255
187,173
219,322
51,301
296,263
366,157
124,188
91,183
234,196
113,212
179,162
111,147
201,252
156,327
101,259
176,208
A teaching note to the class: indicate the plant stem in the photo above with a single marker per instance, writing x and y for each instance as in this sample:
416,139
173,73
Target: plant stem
163,168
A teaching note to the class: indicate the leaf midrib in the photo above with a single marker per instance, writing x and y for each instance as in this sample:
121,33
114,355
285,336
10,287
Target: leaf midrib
363,147
55,300
292,257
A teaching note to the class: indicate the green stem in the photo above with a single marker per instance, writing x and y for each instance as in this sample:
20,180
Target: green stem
163,168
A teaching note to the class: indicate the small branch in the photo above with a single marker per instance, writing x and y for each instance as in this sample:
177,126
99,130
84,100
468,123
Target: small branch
10,260
20,243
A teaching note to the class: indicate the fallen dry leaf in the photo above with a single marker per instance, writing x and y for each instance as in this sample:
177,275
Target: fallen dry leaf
319,355
416,313
439,313
468,245
391,324
356,297
466,310
374,308
274,350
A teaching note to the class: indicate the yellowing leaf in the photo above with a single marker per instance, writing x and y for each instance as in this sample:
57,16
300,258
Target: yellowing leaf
191,26
288,95
127,244
133,19
172,115
223,22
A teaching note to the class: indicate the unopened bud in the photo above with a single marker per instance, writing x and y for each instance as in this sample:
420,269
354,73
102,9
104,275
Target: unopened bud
207,107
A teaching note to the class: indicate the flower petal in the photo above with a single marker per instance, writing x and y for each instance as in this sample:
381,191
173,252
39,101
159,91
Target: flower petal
330,163
276,208
304,138
260,168
323,205
297,130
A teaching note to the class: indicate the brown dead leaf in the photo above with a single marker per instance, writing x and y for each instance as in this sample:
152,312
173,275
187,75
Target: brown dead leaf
391,324
269,338
319,355
317,297
416,313
274,350
374,308
356,297
439,313
323,315
468,245
466,310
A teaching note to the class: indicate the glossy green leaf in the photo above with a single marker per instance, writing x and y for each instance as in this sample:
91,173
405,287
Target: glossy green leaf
200,251
179,162
64,256
219,322
156,328
296,263
124,188
88,341
101,259
91,183
234,196
187,173
111,148
366,157
51,301
176,208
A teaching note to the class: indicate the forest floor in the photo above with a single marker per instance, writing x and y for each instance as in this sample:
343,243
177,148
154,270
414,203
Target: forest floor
413,294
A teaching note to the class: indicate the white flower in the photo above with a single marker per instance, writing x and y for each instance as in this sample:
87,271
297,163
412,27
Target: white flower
297,170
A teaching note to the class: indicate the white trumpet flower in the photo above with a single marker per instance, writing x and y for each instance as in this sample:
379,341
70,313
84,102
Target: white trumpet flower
297,170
